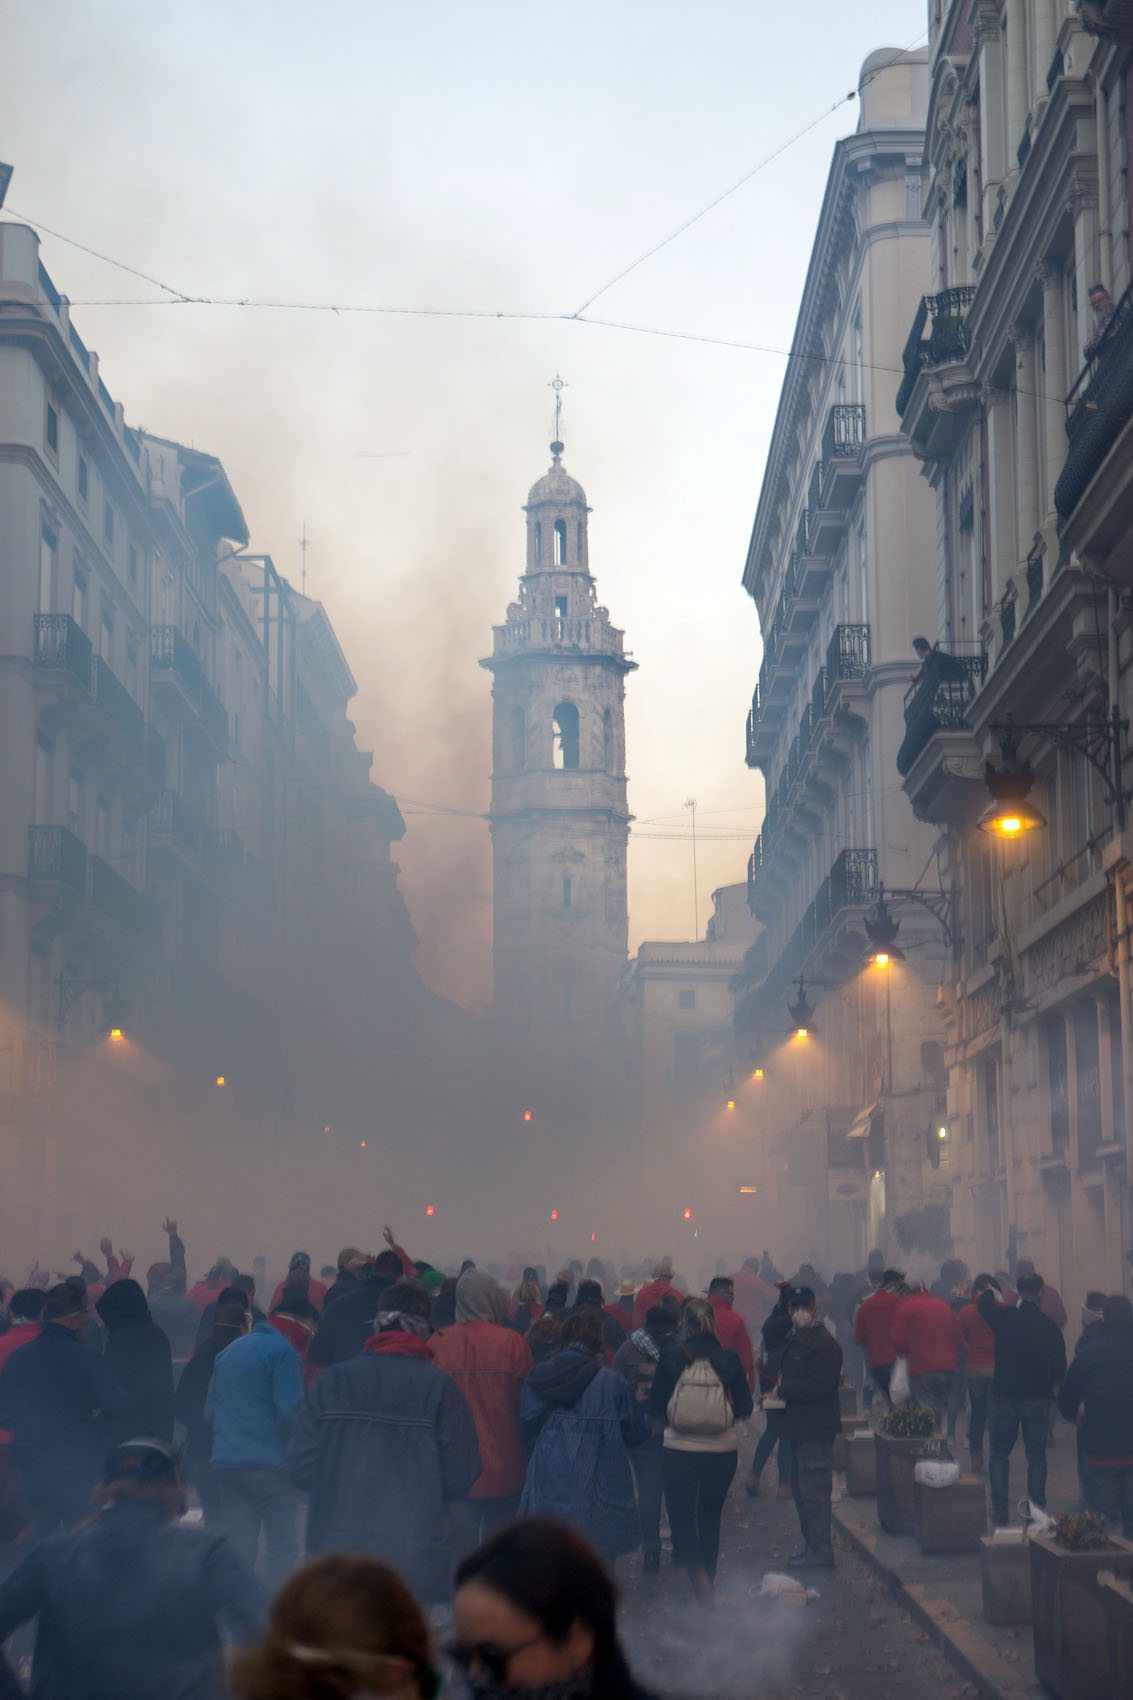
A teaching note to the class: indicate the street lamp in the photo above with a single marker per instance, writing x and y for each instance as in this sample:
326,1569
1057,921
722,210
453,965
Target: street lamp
882,934
1010,814
801,1013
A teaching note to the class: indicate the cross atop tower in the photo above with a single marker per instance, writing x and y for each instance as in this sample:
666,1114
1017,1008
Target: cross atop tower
558,385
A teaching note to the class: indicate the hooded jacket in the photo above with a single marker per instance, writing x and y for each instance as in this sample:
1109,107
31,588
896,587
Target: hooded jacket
873,1327
731,1331
256,1388
653,1293
1101,1378
578,1419
489,1363
384,1443
348,1320
130,1608
140,1356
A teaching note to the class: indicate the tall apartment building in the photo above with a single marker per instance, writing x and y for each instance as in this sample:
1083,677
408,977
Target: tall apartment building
192,852
841,567
1016,398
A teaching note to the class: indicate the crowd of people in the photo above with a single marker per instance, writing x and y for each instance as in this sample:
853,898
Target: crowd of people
487,1441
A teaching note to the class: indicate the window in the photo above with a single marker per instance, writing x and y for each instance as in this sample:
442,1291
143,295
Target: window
79,601
1087,1071
581,543
102,830
43,746
564,752
75,800
83,481
566,892
560,607
1054,1031
132,668
133,565
51,430
106,637
560,543
607,740
108,522
47,547
687,997
538,543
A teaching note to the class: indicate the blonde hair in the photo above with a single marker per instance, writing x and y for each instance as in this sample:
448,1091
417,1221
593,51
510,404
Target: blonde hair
334,1628
697,1317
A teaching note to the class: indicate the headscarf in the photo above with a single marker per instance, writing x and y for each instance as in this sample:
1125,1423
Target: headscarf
480,1298
402,1321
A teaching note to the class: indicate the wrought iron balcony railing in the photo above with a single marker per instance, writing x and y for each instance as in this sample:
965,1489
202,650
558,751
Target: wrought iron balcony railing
947,337
848,654
1099,406
938,698
118,705
57,857
63,646
844,436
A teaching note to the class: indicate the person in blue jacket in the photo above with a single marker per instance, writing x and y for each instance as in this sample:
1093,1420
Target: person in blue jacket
577,1419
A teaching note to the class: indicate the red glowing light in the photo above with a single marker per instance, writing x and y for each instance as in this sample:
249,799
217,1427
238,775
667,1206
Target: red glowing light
429,1210
527,1115
362,1144
593,1237
554,1215
688,1215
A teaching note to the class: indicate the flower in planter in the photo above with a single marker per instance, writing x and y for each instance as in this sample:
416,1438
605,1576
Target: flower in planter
1081,1531
907,1422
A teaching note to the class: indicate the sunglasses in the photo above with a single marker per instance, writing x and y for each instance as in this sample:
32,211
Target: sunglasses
493,1660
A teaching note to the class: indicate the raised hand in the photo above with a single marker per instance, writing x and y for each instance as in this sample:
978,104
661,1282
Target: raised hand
387,1235
106,1247
169,1227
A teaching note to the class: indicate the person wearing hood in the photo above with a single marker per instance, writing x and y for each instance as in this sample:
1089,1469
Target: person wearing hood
138,1353
578,1418
385,1444
301,1283
132,1604
699,1392
636,1360
489,1363
171,1308
1099,1385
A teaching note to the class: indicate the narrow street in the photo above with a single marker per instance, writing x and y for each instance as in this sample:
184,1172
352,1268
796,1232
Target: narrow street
854,1642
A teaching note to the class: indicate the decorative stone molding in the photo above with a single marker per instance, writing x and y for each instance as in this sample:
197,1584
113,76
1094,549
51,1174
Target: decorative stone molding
1079,940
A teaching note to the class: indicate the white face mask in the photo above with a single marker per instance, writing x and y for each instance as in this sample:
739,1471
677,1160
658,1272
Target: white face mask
802,1318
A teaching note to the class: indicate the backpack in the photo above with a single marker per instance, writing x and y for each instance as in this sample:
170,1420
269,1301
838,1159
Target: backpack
699,1404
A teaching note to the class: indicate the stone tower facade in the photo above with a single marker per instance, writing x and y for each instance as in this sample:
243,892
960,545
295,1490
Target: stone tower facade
559,819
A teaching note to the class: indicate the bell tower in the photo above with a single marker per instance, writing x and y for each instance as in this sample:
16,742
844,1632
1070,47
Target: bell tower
559,819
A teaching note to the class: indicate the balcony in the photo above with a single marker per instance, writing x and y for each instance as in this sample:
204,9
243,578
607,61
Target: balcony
183,692
761,727
754,869
119,903
1098,408
801,605
937,392
57,857
175,834
842,472
116,709
61,646
938,698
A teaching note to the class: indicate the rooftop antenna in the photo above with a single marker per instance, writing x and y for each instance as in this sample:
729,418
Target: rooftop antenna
690,803
304,545
558,385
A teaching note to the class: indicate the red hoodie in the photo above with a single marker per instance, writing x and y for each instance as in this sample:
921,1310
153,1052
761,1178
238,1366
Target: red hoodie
489,1364
653,1293
927,1334
733,1335
873,1327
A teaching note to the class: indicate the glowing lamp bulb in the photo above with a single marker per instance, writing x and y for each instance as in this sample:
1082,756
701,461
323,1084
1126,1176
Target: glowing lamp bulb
881,960
802,1033
554,1215
942,1133
115,1034
361,1145
593,1237
429,1211
220,1080
527,1115
326,1130
757,1074
688,1215
731,1104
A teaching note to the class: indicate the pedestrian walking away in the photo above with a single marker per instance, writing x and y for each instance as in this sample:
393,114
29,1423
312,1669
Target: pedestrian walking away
637,1362
1030,1363
1098,1391
811,1419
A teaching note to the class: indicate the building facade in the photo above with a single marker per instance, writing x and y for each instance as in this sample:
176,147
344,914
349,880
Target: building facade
559,818
841,568
1015,397
195,873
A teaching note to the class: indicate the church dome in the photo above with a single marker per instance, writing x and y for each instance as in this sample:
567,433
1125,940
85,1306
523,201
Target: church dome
556,485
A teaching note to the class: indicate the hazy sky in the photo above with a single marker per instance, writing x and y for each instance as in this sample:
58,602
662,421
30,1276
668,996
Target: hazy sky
498,157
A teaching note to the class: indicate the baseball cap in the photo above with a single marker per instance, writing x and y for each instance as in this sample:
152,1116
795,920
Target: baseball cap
143,1461
800,1296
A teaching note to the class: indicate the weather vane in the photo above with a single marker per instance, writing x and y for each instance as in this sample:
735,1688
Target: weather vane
558,385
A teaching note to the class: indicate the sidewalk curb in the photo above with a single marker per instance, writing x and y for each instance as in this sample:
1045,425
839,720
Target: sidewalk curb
965,1654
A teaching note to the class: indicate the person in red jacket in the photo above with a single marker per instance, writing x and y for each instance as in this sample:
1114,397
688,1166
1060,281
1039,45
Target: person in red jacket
979,1366
489,1363
656,1291
873,1328
755,1298
300,1283
730,1328
927,1335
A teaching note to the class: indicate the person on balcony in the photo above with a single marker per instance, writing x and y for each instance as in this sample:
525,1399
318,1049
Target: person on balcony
1105,314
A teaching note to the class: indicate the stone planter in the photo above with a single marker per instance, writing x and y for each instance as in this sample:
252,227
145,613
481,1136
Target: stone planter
950,1519
861,1463
1005,1580
1117,1598
1069,1617
896,1461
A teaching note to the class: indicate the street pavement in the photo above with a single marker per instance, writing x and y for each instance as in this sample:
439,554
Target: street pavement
855,1641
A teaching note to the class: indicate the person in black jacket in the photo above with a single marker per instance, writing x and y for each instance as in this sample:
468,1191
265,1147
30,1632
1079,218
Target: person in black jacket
698,1462
348,1317
1101,1379
138,1353
229,1323
1030,1362
776,1331
166,1285
811,1420
62,1403
130,1605
385,1442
